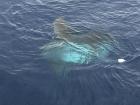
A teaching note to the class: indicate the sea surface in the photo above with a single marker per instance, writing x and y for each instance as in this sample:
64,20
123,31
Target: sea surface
27,79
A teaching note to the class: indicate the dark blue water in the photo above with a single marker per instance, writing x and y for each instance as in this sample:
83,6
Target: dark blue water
26,79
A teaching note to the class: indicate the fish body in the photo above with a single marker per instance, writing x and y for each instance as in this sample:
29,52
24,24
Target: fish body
71,46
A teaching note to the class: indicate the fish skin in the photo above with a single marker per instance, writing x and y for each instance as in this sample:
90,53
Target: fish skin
63,31
71,46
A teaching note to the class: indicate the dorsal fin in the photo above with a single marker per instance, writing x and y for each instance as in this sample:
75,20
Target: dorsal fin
61,27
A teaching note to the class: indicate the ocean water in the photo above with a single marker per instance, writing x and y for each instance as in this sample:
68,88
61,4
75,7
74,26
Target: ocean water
27,79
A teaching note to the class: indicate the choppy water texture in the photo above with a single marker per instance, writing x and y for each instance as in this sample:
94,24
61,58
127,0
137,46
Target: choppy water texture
28,79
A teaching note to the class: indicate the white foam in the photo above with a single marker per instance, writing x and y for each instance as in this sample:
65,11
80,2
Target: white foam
121,60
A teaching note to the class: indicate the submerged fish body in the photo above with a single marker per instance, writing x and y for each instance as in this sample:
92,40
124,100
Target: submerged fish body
78,54
70,47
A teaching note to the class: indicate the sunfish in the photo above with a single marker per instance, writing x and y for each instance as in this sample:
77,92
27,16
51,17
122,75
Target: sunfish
72,46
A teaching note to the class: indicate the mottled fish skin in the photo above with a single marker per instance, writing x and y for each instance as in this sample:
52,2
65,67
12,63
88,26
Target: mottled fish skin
67,33
62,29
71,46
